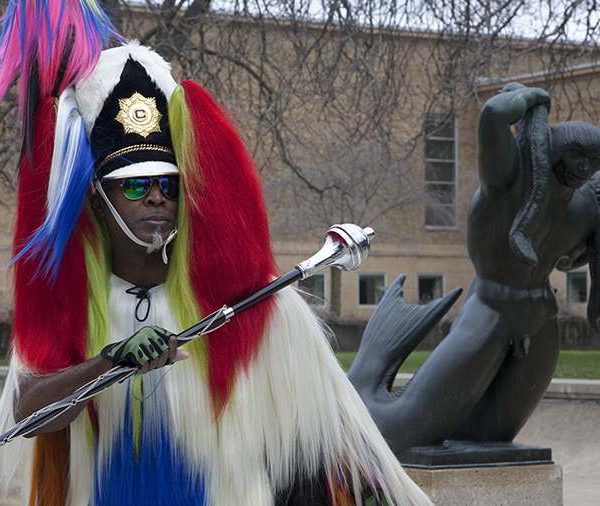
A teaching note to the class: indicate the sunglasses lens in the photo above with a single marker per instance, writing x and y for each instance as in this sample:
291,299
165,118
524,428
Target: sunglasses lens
135,188
169,185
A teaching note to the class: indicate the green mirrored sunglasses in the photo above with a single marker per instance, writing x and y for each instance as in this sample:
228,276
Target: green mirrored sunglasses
136,188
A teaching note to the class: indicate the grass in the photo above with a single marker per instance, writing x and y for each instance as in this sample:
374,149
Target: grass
571,363
413,362
578,364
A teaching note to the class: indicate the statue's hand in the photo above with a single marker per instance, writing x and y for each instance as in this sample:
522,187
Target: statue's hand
511,87
533,96
527,97
539,96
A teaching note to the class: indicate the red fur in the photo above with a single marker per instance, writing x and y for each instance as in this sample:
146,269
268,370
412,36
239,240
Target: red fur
230,251
50,320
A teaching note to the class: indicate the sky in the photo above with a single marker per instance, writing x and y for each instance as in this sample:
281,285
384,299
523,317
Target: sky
533,19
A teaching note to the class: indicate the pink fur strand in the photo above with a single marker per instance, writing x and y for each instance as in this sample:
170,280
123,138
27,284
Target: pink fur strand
36,46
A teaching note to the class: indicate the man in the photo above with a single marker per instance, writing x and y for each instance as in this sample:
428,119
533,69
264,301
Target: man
173,228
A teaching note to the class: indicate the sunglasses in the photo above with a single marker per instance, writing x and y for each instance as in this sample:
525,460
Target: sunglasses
136,188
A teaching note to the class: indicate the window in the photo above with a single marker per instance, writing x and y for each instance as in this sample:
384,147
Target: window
431,286
576,287
440,171
313,289
370,289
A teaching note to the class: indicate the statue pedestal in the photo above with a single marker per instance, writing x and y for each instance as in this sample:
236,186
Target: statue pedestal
466,473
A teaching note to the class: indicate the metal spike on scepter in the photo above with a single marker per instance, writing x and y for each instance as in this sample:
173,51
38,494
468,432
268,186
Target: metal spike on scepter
345,247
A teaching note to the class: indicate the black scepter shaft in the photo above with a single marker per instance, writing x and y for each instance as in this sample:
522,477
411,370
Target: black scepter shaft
121,373
345,247
215,320
287,279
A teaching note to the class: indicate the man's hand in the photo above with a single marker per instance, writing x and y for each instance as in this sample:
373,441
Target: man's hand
147,349
173,354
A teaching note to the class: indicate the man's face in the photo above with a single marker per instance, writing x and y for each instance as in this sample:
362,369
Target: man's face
146,217
575,168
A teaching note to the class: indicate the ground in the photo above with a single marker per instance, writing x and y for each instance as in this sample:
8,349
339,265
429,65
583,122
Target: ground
572,429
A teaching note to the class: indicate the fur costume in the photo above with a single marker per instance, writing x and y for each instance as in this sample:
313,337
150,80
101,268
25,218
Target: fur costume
262,407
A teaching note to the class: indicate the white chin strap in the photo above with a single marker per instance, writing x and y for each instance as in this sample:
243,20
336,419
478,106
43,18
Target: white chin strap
157,241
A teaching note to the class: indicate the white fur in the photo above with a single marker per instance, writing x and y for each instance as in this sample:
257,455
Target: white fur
143,169
186,386
292,410
15,457
67,132
296,409
81,461
93,91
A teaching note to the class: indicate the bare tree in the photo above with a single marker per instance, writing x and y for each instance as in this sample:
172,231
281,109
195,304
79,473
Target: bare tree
332,95
321,89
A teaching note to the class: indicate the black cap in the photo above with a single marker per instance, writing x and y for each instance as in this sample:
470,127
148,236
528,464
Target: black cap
131,135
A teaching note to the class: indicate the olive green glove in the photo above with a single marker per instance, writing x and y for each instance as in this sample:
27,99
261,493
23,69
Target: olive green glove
142,347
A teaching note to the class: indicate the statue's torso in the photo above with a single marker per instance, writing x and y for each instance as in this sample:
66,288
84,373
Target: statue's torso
564,228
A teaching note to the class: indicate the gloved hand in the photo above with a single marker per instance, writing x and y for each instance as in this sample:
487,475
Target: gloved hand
145,345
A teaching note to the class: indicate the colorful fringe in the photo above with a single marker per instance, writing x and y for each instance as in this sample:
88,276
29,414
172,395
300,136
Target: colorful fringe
50,319
37,41
153,474
50,470
229,250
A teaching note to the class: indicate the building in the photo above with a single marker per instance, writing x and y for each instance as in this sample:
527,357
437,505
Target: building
418,158
433,253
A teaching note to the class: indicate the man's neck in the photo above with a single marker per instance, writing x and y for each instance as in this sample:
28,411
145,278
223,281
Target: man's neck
139,268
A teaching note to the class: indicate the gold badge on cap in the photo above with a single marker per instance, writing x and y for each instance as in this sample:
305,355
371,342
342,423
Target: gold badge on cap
139,115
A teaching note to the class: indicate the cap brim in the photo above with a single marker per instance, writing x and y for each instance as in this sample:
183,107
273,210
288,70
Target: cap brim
143,169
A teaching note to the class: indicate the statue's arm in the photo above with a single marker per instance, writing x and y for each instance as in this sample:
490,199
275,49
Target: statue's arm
498,149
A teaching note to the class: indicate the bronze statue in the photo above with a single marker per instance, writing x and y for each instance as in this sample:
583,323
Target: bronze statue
537,208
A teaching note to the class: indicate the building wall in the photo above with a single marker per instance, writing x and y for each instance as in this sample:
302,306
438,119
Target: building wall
404,244
432,251
412,260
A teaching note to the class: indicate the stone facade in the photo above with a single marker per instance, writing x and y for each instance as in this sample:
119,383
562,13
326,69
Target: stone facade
432,251
404,243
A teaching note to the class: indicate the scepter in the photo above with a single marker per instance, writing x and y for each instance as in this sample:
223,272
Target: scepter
345,247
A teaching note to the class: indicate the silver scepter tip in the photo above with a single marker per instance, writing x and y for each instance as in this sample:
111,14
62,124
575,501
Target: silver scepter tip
346,246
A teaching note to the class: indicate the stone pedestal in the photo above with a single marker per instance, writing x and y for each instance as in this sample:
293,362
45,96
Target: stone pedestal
464,473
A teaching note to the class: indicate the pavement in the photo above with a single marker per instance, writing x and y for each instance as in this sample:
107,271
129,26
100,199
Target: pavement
572,429
568,421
